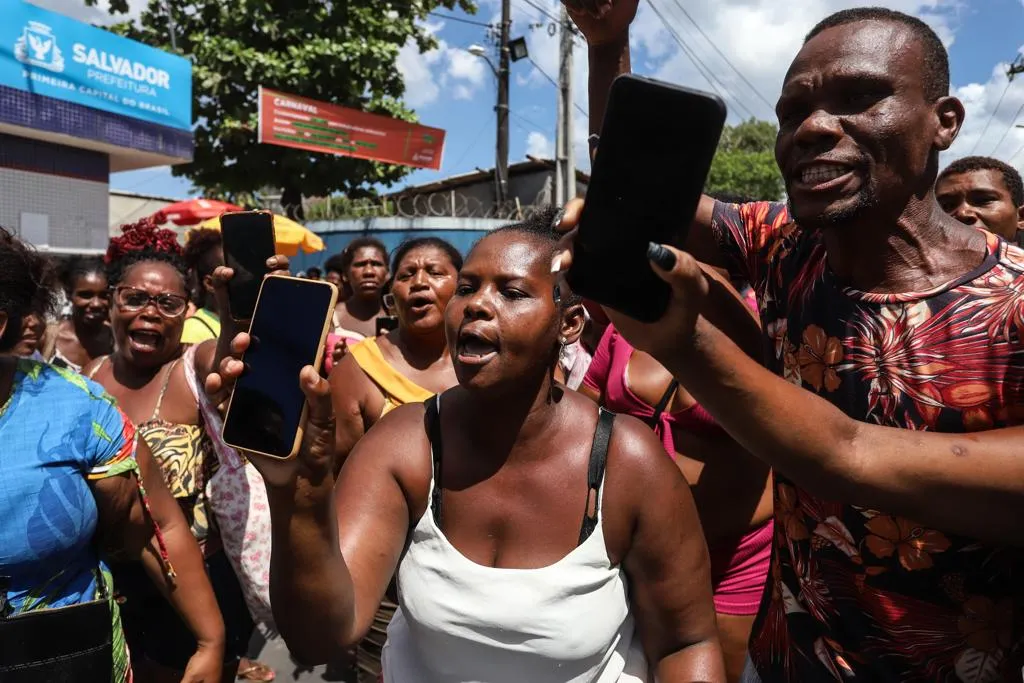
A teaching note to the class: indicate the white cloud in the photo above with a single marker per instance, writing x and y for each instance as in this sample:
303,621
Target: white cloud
463,65
759,37
987,130
76,9
447,70
421,88
538,145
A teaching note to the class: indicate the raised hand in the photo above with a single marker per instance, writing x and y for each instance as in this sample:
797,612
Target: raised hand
277,264
602,21
315,460
674,331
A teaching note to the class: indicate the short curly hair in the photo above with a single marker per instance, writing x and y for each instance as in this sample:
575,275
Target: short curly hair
80,266
200,254
349,254
935,67
1010,175
28,284
140,242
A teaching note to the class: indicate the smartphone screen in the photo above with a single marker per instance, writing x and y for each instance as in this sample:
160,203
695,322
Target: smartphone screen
288,329
248,243
654,154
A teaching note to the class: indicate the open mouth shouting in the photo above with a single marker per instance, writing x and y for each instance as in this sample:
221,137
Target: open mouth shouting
145,340
419,304
475,348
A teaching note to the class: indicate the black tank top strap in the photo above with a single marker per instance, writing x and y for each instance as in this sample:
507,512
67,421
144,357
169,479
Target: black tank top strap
595,472
595,468
663,404
433,424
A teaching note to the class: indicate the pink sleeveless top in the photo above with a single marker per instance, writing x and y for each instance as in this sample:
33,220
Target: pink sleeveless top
607,374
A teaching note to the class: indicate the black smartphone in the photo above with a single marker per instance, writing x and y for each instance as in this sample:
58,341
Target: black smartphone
657,143
248,243
267,410
385,324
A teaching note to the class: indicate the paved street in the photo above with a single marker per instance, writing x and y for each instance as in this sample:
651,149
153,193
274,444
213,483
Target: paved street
275,654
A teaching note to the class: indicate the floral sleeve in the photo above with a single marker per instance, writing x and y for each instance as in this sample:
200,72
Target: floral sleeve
747,234
112,446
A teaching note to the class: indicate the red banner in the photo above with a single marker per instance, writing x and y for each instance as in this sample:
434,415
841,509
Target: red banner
291,121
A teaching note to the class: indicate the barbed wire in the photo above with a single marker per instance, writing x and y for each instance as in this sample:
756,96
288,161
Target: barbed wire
441,204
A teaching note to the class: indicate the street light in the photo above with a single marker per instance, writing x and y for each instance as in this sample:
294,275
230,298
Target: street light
513,50
481,51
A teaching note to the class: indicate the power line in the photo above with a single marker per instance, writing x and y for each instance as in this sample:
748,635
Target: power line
722,55
460,19
1013,121
476,138
555,83
991,116
698,64
537,126
1015,155
543,11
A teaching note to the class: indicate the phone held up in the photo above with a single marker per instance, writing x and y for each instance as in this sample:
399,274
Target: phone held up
267,410
655,151
248,242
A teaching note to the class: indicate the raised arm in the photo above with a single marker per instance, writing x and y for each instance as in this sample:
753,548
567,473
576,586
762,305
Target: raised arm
607,34
333,555
210,353
971,484
667,562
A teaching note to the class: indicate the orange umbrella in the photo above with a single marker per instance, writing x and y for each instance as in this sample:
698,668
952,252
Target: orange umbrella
193,211
291,237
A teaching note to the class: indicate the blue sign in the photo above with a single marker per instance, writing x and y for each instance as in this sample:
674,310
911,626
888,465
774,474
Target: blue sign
49,54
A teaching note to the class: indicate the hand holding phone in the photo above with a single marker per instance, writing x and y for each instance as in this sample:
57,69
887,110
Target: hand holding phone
249,242
654,154
267,408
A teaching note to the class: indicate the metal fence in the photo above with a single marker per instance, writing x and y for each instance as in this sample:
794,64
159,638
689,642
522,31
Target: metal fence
419,205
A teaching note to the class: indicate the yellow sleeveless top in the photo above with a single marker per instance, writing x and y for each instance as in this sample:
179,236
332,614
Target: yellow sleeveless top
396,387
184,454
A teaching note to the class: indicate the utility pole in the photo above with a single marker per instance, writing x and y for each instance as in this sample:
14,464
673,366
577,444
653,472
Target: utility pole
501,156
565,167
170,26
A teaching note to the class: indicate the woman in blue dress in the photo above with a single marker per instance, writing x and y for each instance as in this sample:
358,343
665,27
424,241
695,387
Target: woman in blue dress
71,475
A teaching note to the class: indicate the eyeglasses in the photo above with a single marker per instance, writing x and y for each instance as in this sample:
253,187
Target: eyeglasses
168,305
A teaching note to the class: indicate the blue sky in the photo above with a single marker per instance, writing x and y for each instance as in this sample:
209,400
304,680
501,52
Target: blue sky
453,90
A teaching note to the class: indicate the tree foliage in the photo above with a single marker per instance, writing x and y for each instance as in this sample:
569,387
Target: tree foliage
744,164
339,51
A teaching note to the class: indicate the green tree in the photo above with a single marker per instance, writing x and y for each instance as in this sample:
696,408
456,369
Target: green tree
343,52
744,164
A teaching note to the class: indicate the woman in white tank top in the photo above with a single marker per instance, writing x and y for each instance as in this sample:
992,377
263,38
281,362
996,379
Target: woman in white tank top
519,555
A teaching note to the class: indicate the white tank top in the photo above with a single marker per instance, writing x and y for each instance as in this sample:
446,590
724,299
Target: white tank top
461,622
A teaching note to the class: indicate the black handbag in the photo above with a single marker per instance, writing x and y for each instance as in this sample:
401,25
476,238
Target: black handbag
72,644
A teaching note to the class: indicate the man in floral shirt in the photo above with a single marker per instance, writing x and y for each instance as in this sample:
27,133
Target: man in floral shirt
898,537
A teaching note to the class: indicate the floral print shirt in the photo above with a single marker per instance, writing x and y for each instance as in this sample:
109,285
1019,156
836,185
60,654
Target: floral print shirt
858,594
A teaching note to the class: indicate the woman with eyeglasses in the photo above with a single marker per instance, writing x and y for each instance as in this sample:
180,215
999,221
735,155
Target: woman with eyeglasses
152,374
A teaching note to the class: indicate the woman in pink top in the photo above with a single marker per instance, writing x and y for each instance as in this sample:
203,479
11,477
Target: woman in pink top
731,487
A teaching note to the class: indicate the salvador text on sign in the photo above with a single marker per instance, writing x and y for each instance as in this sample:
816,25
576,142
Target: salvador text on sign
49,54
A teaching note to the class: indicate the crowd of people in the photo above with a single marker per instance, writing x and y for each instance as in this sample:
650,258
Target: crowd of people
806,470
